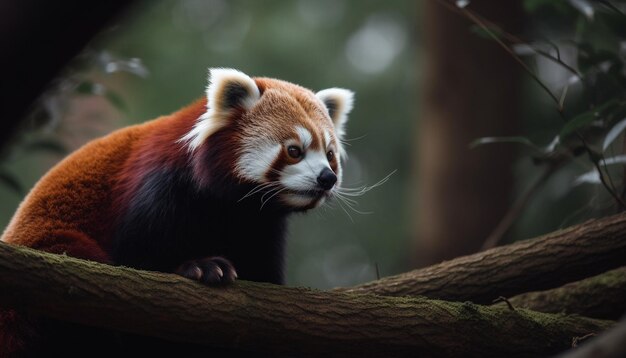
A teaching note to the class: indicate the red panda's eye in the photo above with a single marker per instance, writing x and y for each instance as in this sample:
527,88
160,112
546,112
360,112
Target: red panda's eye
330,155
294,151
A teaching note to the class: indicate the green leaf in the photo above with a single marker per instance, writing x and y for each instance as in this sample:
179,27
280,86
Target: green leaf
618,159
584,119
590,177
610,137
487,33
578,122
12,182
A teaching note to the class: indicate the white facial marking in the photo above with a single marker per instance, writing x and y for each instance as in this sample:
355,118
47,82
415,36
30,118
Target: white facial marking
303,175
296,200
327,138
305,136
256,160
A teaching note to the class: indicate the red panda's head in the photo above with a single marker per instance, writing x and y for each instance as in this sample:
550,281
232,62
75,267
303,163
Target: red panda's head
281,140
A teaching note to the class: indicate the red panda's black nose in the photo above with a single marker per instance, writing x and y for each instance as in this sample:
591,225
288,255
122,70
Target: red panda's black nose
327,179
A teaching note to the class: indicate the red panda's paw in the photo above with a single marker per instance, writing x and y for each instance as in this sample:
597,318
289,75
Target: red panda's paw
210,271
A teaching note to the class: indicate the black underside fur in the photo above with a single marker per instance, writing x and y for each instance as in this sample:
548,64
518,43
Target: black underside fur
171,221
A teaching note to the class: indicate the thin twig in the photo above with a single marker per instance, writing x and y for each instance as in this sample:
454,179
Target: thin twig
609,187
547,55
499,231
558,61
504,299
469,14
516,210
577,340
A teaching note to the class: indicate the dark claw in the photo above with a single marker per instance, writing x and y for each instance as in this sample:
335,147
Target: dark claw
211,271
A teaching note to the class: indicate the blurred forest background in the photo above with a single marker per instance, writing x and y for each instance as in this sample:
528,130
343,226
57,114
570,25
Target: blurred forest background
431,78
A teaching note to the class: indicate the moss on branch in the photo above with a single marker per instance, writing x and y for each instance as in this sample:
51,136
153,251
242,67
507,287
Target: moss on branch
276,319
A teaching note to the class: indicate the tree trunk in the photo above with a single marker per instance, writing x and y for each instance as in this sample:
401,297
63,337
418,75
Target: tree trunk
601,296
276,319
546,262
470,90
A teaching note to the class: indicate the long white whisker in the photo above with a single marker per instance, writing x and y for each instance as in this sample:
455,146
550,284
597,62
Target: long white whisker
344,210
344,196
347,141
364,189
351,207
269,192
273,195
259,188
347,200
353,139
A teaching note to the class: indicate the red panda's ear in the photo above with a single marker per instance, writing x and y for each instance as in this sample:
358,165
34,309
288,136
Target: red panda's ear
228,90
338,102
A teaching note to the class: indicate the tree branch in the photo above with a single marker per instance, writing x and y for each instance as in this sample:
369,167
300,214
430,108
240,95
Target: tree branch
269,318
537,264
601,296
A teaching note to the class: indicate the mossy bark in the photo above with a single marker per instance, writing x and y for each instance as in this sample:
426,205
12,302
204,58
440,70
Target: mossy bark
601,296
269,318
537,264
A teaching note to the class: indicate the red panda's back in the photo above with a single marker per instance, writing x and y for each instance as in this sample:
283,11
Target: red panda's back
69,209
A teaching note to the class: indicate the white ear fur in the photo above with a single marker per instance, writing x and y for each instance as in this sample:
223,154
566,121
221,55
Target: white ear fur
228,89
338,103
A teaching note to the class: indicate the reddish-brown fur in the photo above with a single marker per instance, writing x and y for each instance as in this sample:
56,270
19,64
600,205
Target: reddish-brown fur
71,209
79,198
158,147
299,103
74,207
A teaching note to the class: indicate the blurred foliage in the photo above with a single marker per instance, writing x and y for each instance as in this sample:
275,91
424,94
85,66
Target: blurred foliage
64,118
367,46
577,115
154,61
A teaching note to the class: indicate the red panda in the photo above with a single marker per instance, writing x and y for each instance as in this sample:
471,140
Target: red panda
204,192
